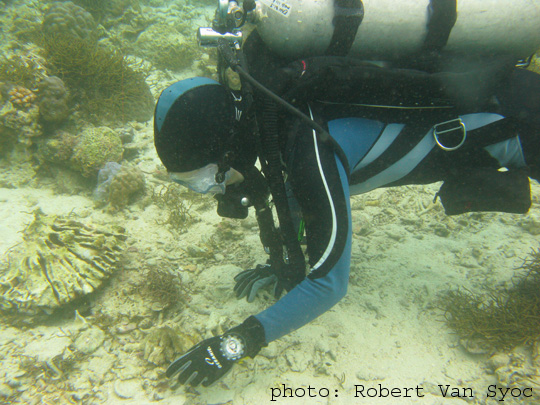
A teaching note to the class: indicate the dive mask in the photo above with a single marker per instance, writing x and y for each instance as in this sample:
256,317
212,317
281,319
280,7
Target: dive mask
203,180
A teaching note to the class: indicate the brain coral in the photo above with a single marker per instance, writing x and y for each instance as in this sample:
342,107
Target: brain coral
60,260
65,17
96,147
119,184
53,99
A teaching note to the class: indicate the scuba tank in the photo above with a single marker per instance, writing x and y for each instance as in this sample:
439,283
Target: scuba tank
389,29
392,29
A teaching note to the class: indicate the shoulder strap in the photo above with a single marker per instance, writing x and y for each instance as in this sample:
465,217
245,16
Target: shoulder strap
442,17
348,14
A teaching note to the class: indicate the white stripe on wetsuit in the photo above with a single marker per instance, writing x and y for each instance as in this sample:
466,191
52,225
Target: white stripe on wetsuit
408,162
333,236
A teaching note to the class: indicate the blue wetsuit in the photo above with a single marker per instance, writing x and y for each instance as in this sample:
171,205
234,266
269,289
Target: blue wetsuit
322,189
382,152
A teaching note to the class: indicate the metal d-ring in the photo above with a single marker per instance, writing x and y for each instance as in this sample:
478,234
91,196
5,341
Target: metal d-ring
459,126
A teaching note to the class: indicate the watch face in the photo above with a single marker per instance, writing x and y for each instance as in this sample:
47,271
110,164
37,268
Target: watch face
232,347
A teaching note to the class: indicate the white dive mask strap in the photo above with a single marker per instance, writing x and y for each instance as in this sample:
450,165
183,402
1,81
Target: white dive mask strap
202,180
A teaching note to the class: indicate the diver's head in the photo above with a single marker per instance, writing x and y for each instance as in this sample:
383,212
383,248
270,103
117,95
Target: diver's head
194,134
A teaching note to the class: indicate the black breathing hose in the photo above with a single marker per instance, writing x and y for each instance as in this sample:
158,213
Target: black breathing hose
323,133
227,52
229,55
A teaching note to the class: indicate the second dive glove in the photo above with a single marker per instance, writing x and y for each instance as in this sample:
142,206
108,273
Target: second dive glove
212,358
249,282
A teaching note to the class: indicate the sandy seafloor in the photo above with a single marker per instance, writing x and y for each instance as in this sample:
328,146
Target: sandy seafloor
388,330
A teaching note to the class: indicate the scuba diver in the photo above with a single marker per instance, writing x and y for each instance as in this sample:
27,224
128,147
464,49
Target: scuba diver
307,133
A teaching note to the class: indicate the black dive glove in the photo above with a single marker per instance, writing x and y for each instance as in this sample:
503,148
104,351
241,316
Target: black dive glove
248,282
212,358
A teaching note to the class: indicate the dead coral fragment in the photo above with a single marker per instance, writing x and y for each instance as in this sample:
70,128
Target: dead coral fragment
502,319
163,344
60,260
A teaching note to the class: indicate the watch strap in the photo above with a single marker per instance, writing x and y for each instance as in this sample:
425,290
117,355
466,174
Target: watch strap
251,332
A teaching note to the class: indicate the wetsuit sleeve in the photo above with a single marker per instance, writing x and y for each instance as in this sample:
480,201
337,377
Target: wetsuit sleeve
321,188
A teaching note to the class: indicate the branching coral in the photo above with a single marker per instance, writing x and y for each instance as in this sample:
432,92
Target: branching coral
107,84
502,319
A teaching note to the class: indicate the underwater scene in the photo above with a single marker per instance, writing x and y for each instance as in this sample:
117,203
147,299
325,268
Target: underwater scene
111,270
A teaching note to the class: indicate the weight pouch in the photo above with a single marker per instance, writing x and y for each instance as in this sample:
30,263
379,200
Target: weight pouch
486,189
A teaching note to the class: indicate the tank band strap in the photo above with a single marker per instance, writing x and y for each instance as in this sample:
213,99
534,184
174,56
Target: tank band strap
442,17
348,14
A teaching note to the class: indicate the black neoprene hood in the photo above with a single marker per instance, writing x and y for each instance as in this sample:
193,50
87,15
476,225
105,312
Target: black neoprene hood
192,124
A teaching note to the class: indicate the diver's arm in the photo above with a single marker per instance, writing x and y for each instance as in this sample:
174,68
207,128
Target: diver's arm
321,188
212,358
